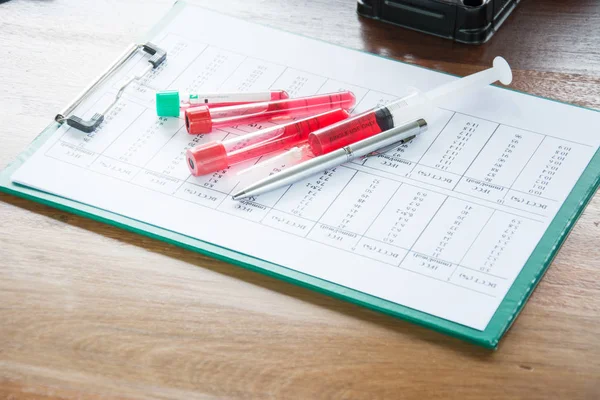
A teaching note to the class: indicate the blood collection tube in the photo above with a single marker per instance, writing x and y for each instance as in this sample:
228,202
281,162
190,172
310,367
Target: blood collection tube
202,119
170,102
356,128
217,155
414,106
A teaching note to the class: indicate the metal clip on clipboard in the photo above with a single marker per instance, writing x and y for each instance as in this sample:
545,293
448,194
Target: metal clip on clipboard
157,57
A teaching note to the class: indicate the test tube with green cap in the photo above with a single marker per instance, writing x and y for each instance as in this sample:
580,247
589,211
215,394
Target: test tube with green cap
170,103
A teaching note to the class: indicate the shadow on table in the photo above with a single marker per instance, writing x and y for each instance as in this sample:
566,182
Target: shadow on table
306,295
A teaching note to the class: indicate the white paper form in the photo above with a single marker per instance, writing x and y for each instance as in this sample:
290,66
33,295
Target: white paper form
442,224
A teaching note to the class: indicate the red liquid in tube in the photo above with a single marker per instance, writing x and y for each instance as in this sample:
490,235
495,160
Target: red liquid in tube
364,125
203,120
215,156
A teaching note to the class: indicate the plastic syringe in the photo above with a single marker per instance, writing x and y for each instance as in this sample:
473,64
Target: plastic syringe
169,103
217,155
412,107
202,119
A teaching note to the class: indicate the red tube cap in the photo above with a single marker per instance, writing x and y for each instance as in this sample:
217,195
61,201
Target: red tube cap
197,120
279,95
206,158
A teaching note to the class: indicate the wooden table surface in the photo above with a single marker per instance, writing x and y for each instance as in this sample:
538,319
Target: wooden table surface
90,311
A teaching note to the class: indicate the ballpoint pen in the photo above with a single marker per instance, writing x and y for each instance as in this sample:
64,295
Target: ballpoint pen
365,147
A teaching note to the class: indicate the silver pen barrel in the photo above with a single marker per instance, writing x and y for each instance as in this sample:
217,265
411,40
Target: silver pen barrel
333,159
385,139
293,174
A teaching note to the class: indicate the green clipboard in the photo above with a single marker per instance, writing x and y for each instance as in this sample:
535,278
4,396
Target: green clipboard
504,316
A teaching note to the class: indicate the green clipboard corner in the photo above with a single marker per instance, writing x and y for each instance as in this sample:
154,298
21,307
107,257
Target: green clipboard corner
505,315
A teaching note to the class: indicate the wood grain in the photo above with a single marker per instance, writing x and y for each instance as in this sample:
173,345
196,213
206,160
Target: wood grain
88,311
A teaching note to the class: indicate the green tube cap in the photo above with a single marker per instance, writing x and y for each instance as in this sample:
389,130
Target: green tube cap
167,103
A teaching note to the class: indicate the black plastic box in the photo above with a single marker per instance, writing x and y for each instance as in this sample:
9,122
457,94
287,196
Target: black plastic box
465,21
